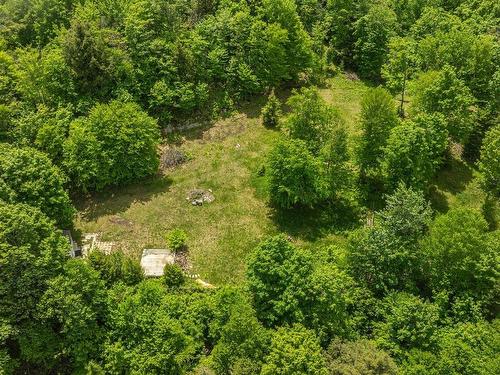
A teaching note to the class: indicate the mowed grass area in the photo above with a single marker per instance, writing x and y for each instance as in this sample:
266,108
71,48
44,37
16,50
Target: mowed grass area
224,157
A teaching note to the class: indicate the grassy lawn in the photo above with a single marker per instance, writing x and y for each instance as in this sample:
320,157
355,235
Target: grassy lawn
226,157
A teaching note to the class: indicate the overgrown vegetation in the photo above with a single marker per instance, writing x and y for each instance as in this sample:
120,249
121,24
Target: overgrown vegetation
351,152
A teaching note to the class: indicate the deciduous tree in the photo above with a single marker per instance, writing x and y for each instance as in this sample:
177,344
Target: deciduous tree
116,144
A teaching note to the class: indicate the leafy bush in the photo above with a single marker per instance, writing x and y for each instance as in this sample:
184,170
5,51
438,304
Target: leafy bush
173,276
445,93
116,267
311,119
378,118
32,252
373,32
276,273
408,322
271,112
414,151
462,256
176,240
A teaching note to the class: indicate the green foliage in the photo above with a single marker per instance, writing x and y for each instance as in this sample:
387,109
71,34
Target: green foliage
414,151
176,240
5,122
294,351
462,349
330,297
276,273
382,261
115,267
287,289
32,251
325,169
337,29
373,32
71,73
173,276
31,178
298,46
386,256
408,322
443,92
44,78
462,257
96,57
116,144
358,357
75,303
6,77
489,165
338,169
407,214
311,119
294,175
242,345
143,337
271,112
400,66
378,117
45,129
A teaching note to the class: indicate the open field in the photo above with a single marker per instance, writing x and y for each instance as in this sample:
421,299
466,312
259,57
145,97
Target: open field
226,157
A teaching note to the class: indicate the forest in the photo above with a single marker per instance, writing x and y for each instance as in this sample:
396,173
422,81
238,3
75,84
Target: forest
341,160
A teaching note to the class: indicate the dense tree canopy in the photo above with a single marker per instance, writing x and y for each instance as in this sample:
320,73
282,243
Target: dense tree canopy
117,143
28,176
414,151
463,256
358,357
295,175
352,271
294,350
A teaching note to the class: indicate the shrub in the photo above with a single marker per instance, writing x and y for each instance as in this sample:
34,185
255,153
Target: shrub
271,111
414,151
443,92
176,240
116,267
173,277
294,350
311,119
378,118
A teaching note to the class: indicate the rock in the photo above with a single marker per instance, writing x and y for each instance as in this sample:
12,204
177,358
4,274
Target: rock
198,197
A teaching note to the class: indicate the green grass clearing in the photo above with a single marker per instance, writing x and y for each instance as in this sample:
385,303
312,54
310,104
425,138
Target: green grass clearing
226,158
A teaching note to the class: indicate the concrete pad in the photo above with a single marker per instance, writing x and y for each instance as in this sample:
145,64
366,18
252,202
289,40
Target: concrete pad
154,260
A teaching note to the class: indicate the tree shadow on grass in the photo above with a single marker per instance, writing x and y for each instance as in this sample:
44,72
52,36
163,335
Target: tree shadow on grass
438,200
454,176
314,223
118,199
